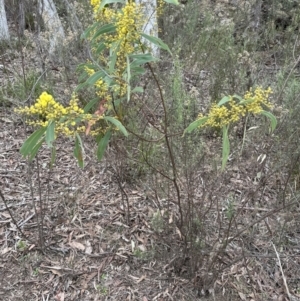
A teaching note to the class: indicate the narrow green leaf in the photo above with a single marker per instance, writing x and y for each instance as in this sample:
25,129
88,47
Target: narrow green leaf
81,86
128,92
137,71
128,79
195,124
237,97
90,104
225,147
100,48
138,90
272,119
53,155
107,28
156,41
81,66
88,31
112,63
224,100
175,2
95,77
141,59
99,137
105,2
114,49
117,123
118,101
246,101
109,80
31,141
35,149
128,69
78,150
103,144
81,69
50,133
82,76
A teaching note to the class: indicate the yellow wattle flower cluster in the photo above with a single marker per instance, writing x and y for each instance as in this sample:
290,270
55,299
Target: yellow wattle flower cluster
220,116
232,111
101,86
68,120
95,4
160,7
259,98
45,109
129,21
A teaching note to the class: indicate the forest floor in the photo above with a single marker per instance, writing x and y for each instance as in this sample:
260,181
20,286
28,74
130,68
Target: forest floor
92,252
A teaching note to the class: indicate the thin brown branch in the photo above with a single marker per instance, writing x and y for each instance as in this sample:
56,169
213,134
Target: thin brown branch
12,216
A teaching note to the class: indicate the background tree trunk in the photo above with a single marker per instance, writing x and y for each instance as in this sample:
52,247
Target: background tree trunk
52,25
150,28
21,17
4,33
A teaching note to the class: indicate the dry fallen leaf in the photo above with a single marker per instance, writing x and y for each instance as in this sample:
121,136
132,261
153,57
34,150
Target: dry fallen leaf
142,248
60,296
101,109
56,272
5,250
6,215
179,233
85,281
141,279
88,249
242,296
171,218
77,245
